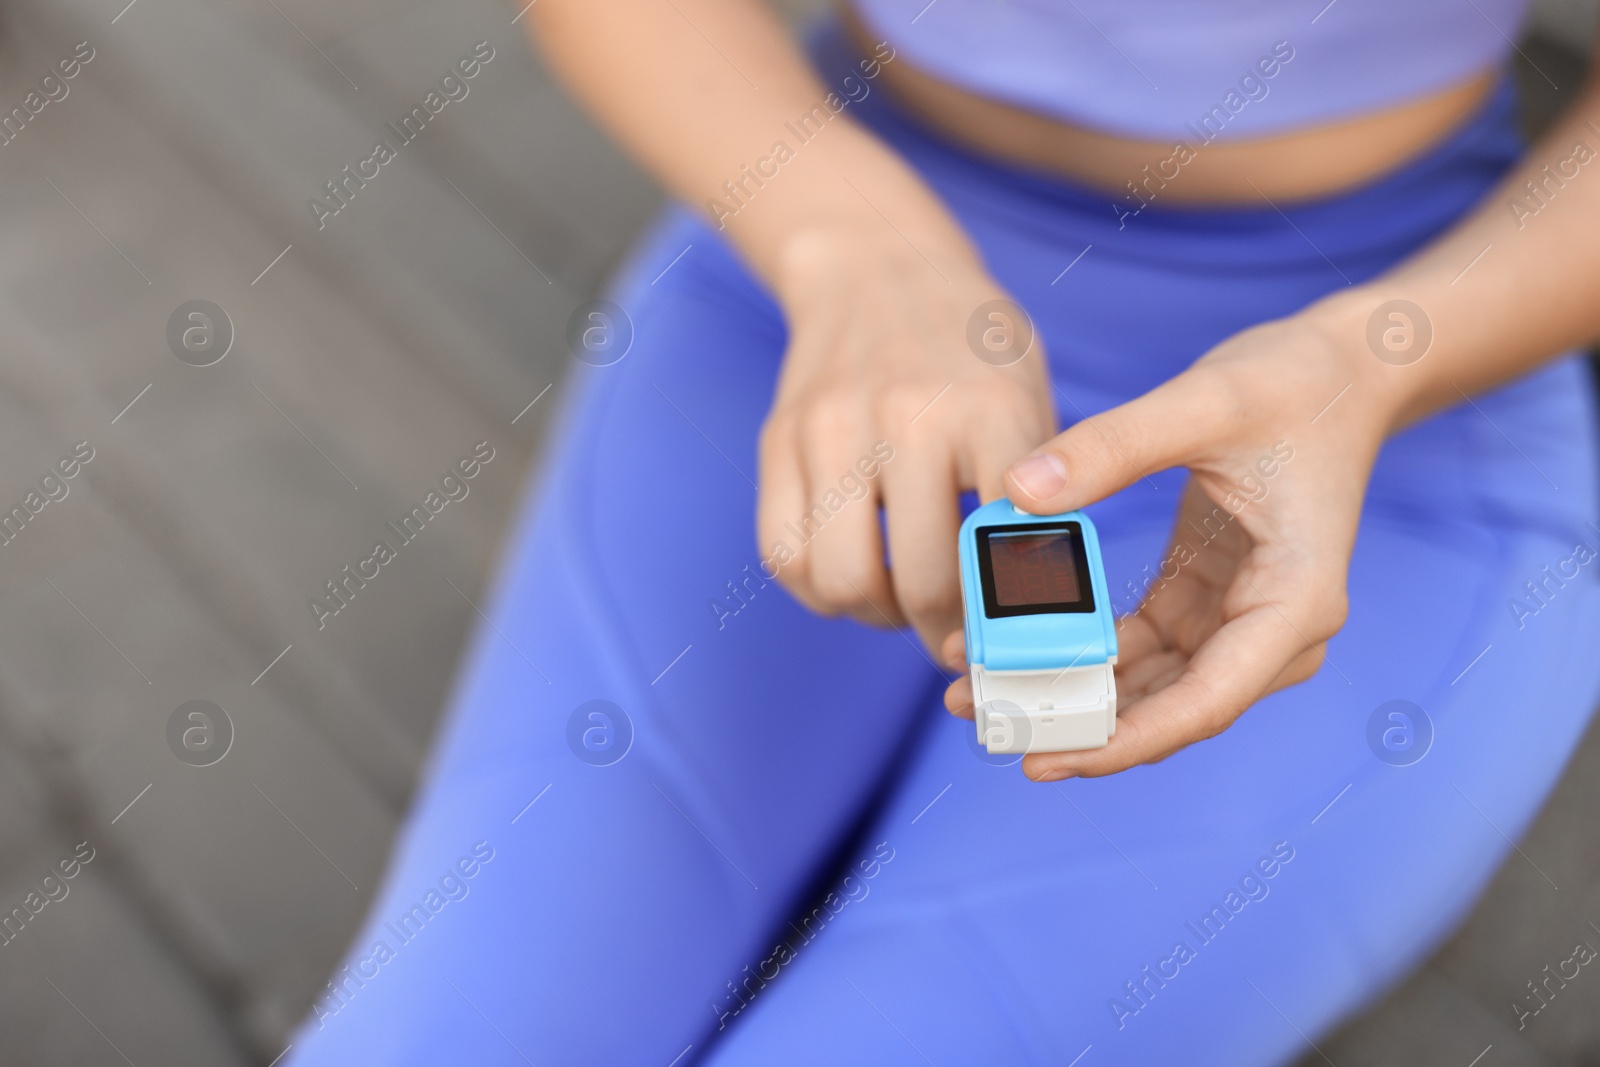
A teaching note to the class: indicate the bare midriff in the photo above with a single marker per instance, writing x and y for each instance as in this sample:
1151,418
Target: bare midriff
1299,165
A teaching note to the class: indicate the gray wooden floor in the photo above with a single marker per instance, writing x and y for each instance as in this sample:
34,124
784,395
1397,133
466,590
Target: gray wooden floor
368,357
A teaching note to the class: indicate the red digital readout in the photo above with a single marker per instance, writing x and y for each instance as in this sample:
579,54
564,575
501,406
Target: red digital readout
1033,569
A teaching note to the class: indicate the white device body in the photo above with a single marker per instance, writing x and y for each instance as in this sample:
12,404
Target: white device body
1062,710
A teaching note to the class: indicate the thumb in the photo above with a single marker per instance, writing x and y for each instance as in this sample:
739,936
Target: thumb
1104,453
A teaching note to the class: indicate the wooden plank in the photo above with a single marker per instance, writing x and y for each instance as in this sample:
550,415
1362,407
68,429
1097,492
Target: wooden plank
189,546
427,267
1429,1020
255,868
87,983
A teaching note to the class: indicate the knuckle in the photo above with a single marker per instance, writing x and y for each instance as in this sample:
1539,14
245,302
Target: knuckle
1210,711
1325,605
1306,665
841,589
925,601
1206,712
776,434
1092,450
900,403
791,580
1226,389
1110,438
806,594
794,579
1004,389
981,401
832,415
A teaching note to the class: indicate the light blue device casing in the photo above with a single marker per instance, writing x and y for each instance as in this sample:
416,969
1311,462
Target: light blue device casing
1034,642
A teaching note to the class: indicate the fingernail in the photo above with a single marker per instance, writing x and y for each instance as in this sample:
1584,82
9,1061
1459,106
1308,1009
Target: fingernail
1040,476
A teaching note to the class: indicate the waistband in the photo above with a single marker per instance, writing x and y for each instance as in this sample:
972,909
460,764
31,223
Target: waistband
1363,230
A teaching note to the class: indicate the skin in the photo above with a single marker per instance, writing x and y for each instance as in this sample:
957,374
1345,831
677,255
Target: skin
877,282
1293,165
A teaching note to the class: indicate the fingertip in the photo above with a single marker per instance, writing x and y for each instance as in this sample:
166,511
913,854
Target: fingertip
1036,478
958,698
1044,773
953,652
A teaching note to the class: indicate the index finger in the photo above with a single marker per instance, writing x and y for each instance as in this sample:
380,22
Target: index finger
1238,665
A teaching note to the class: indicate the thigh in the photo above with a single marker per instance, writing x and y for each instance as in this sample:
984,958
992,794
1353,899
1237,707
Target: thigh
1225,905
651,748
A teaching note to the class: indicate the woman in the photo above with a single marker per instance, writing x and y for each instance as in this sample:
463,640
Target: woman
695,803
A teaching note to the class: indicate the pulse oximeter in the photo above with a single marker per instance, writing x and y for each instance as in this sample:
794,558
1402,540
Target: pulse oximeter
1041,639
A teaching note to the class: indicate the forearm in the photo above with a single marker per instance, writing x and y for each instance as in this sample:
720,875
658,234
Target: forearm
1514,284
701,92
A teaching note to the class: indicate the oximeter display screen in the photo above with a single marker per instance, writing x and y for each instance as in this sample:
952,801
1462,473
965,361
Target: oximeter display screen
1033,569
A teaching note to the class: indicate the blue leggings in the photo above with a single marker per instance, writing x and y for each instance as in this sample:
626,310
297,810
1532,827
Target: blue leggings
670,821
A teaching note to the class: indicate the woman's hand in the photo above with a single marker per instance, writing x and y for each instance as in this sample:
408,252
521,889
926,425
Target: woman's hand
879,352
1253,583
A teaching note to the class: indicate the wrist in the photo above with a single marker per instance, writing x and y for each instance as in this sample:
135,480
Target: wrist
861,212
847,208
1382,342
822,258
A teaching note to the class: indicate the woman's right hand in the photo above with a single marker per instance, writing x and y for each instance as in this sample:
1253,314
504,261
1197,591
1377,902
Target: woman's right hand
879,358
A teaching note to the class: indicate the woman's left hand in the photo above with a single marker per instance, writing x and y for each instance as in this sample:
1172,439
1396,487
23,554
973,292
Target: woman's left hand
1278,427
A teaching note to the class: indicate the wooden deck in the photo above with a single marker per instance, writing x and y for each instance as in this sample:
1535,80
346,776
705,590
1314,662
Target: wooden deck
368,356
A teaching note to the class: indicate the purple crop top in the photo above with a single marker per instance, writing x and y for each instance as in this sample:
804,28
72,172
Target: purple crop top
1198,69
